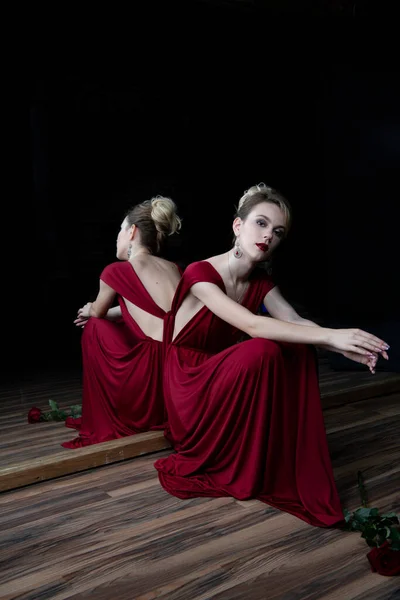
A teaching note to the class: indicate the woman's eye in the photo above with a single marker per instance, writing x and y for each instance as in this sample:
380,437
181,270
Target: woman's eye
279,234
261,223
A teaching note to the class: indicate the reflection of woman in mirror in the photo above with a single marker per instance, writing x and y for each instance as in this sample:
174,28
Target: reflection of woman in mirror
245,418
122,347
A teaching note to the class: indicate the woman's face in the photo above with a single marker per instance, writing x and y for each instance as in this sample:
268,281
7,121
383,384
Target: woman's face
123,240
261,232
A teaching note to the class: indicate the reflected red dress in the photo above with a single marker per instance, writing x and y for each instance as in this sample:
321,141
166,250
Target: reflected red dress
245,418
122,368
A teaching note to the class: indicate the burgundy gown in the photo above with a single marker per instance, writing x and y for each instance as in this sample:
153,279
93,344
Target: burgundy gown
122,368
245,418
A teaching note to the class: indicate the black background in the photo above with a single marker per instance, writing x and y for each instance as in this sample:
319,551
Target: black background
199,101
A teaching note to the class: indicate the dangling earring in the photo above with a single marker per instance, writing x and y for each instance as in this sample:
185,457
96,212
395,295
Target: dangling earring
237,253
129,251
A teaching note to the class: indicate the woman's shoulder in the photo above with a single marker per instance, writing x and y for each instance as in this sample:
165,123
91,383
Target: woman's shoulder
199,266
202,271
116,266
115,273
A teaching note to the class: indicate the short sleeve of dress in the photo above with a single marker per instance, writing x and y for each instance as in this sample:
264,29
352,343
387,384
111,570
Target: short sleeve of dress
110,275
196,272
201,271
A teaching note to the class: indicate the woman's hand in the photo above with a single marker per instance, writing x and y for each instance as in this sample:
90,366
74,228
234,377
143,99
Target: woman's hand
369,361
357,341
83,315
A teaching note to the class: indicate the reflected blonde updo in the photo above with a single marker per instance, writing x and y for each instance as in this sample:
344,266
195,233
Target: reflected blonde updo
156,219
263,193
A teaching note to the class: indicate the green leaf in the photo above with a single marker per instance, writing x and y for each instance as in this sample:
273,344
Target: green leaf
347,515
55,415
53,405
394,534
392,518
390,515
76,410
363,514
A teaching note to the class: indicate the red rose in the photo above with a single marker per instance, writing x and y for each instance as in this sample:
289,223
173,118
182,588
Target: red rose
384,560
34,415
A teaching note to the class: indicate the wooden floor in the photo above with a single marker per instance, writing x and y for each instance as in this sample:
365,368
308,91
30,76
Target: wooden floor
20,440
31,453
114,533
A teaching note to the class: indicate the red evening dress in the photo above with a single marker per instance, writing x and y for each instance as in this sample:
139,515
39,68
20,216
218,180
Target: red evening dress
245,418
122,368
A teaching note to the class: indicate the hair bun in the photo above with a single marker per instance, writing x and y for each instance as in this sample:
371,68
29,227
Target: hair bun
164,215
260,188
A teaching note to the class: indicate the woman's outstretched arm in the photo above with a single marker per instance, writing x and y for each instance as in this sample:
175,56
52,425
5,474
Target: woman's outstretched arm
348,340
279,308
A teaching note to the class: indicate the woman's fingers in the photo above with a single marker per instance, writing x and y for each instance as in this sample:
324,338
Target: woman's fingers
362,342
372,363
370,342
80,321
361,350
371,339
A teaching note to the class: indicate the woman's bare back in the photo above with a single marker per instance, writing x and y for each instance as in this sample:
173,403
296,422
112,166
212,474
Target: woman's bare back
160,278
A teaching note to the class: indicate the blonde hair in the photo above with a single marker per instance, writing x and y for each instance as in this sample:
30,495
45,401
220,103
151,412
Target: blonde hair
156,219
263,193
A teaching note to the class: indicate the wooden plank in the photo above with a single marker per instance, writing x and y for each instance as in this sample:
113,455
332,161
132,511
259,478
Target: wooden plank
81,459
362,391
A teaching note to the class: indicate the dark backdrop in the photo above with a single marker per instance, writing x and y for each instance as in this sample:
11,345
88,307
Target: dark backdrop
200,110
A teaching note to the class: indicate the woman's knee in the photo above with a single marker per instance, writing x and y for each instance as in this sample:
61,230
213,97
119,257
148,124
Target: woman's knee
260,349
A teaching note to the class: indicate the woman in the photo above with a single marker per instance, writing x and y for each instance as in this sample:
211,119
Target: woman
122,347
246,418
